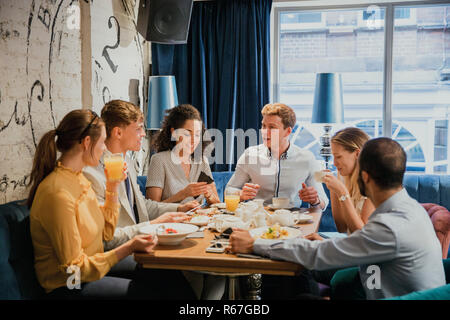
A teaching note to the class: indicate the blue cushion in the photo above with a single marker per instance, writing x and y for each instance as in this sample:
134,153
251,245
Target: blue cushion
17,274
428,188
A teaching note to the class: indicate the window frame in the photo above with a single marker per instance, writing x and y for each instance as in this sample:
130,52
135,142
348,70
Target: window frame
389,7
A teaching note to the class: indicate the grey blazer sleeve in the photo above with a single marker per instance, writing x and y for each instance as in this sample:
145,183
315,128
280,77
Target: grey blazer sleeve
374,243
155,208
122,235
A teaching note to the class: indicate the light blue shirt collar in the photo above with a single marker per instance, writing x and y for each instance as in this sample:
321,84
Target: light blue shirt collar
392,202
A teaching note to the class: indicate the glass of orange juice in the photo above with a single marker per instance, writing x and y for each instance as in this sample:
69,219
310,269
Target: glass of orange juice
114,165
232,198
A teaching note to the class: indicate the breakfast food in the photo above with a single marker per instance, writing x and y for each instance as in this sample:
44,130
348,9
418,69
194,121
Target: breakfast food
275,232
209,211
220,205
199,219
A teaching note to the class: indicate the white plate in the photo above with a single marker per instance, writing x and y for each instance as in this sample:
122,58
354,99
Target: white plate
220,205
292,232
199,221
303,218
207,211
271,206
183,229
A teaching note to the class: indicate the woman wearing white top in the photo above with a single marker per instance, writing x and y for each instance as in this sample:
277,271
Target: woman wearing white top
349,208
173,174
174,171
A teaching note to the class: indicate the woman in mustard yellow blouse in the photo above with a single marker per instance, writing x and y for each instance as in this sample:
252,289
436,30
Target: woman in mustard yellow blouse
67,224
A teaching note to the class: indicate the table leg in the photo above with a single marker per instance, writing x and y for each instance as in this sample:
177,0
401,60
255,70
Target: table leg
253,282
231,288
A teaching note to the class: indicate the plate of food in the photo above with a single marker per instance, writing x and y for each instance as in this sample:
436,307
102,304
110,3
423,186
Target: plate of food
198,220
169,233
275,232
208,211
220,205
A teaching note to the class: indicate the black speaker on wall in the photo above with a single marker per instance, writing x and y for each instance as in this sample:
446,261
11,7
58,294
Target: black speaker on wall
164,21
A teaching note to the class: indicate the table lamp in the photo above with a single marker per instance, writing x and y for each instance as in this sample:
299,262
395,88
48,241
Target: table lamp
328,108
162,95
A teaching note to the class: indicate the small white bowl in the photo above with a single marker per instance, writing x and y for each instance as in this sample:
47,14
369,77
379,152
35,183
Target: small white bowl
172,239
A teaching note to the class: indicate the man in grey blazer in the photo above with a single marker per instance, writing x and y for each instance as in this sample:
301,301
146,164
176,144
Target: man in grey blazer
397,251
124,129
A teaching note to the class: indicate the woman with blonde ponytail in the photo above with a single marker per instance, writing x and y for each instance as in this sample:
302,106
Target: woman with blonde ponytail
67,224
350,209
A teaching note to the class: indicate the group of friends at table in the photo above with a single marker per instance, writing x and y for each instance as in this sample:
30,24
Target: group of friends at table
81,219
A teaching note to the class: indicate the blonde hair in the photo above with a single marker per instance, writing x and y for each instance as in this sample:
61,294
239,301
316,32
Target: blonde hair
352,139
286,113
119,113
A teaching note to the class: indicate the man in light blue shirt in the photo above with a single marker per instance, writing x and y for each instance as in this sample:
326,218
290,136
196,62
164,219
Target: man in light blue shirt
397,251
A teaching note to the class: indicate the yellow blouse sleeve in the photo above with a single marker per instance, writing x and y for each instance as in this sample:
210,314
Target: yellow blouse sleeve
60,223
111,214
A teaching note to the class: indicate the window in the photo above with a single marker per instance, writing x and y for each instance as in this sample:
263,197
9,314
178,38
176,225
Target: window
298,21
351,41
373,16
420,89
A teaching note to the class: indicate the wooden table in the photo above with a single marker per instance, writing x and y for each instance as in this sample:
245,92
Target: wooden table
191,255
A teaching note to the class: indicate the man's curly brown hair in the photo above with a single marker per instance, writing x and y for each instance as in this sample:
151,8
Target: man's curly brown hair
175,118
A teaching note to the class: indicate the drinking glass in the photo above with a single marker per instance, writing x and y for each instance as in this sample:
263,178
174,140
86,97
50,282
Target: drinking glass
232,198
114,165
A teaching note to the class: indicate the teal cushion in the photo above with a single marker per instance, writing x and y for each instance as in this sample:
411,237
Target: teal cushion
346,285
439,293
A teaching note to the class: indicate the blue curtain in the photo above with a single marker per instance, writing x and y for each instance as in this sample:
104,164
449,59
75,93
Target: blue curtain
224,68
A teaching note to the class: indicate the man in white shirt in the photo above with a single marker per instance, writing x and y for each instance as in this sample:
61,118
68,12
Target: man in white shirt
278,168
397,250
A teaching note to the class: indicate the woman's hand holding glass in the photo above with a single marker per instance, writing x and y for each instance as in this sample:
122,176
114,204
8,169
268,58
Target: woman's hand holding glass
113,180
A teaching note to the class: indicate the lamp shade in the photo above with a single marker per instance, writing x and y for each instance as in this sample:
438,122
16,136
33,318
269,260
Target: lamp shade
162,95
328,103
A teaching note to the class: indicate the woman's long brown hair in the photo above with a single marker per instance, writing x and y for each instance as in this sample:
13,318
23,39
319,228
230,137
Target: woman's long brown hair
175,118
73,128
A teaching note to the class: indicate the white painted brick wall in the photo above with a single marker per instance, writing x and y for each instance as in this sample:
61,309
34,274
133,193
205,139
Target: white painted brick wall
22,64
